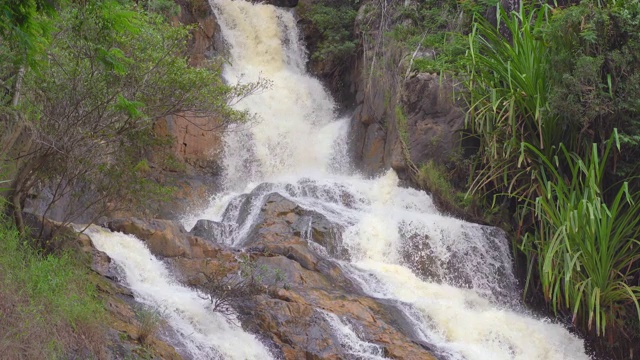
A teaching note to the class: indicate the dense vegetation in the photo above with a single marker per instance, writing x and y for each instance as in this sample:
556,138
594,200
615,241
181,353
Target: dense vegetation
335,25
82,89
553,100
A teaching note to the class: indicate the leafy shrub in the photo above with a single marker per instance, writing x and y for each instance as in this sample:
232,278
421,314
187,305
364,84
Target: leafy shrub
110,71
148,323
439,29
596,82
336,29
166,8
546,88
230,284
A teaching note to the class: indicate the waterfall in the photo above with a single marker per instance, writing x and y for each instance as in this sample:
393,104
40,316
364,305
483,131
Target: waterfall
452,279
298,132
203,334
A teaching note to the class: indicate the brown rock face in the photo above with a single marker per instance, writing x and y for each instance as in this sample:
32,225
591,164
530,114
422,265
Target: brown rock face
432,123
206,39
393,105
297,316
197,140
433,119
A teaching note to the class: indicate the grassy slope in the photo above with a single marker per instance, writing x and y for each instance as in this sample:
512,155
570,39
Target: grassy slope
49,307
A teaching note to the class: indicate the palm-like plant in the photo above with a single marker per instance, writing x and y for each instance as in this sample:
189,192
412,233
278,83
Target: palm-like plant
586,248
508,97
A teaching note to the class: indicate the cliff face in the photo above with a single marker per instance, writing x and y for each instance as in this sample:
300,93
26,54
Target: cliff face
400,118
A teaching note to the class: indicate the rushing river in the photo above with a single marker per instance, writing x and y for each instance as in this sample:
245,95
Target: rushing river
468,307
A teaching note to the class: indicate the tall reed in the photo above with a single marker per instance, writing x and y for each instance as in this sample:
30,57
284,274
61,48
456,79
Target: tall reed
585,247
508,101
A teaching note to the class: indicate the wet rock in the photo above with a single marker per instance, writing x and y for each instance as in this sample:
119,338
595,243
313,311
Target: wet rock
301,286
295,249
280,220
196,272
298,329
373,148
416,254
297,321
101,264
163,237
213,231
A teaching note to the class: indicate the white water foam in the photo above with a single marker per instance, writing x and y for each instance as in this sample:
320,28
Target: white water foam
453,280
297,131
205,335
351,343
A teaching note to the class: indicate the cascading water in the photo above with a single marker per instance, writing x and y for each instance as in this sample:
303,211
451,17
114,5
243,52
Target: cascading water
453,280
203,335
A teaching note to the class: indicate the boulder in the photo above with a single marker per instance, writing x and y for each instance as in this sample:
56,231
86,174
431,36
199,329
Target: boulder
164,238
297,313
213,231
280,220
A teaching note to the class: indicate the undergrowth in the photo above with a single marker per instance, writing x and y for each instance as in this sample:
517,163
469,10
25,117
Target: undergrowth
49,308
435,32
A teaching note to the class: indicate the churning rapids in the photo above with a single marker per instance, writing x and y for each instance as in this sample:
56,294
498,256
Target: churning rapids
465,303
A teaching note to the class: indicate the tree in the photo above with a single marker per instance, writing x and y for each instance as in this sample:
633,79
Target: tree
109,71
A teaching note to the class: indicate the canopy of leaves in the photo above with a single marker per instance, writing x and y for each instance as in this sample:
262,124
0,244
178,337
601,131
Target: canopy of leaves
109,70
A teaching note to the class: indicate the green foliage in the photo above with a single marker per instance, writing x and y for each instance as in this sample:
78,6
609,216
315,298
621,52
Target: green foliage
109,72
21,26
166,8
435,179
401,120
46,298
448,55
508,100
336,28
596,82
543,86
200,8
229,284
584,245
148,323
436,31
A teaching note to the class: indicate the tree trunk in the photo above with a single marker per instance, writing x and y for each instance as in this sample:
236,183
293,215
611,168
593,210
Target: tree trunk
20,185
17,213
18,88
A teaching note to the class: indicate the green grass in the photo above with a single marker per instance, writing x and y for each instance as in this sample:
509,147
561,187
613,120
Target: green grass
435,179
48,304
403,126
